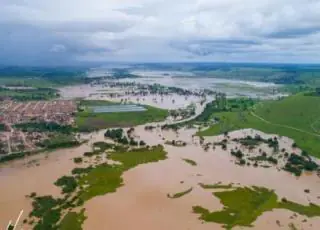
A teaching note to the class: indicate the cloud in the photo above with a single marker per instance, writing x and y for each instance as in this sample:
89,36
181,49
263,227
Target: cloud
37,32
58,48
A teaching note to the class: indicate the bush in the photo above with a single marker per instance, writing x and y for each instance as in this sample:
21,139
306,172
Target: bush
142,143
237,154
77,160
68,184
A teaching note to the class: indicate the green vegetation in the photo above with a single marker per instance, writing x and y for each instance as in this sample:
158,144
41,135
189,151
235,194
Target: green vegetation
2,127
217,106
29,94
42,76
86,103
106,178
215,186
67,183
299,121
191,162
88,121
72,220
296,164
77,160
59,141
102,146
180,194
48,210
44,127
311,210
301,112
242,206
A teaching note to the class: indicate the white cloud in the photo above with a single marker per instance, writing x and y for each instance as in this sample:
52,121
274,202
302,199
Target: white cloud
58,48
144,30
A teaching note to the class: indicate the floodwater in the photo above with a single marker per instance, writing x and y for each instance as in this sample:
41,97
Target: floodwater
142,203
230,87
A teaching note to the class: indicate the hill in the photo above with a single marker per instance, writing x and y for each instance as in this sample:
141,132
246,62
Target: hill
297,117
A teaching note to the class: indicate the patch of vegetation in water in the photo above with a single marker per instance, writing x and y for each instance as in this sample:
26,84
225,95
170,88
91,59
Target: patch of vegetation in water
67,183
86,184
310,210
190,162
72,220
77,160
242,206
106,178
296,164
215,186
180,194
47,210
100,180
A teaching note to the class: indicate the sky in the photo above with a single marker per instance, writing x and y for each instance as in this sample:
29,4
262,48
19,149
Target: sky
47,32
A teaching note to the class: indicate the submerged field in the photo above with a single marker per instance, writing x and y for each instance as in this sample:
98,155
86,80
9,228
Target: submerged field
296,117
88,120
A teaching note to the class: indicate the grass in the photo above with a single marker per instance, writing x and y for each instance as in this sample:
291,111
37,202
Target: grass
72,220
96,103
99,181
89,121
306,140
311,210
44,127
215,186
59,141
298,111
242,206
29,94
191,162
180,194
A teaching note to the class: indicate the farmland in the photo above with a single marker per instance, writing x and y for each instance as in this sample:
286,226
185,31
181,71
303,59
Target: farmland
295,117
88,120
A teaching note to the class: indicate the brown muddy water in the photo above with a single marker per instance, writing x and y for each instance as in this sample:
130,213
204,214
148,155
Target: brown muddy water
142,203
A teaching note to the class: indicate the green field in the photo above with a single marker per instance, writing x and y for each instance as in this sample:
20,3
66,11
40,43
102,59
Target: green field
72,220
242,206
295,117
88,121
29,94
302,112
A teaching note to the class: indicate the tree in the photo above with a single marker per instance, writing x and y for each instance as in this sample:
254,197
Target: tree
142,143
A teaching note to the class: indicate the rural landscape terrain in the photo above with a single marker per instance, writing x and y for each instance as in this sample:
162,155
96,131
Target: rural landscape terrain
160,146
